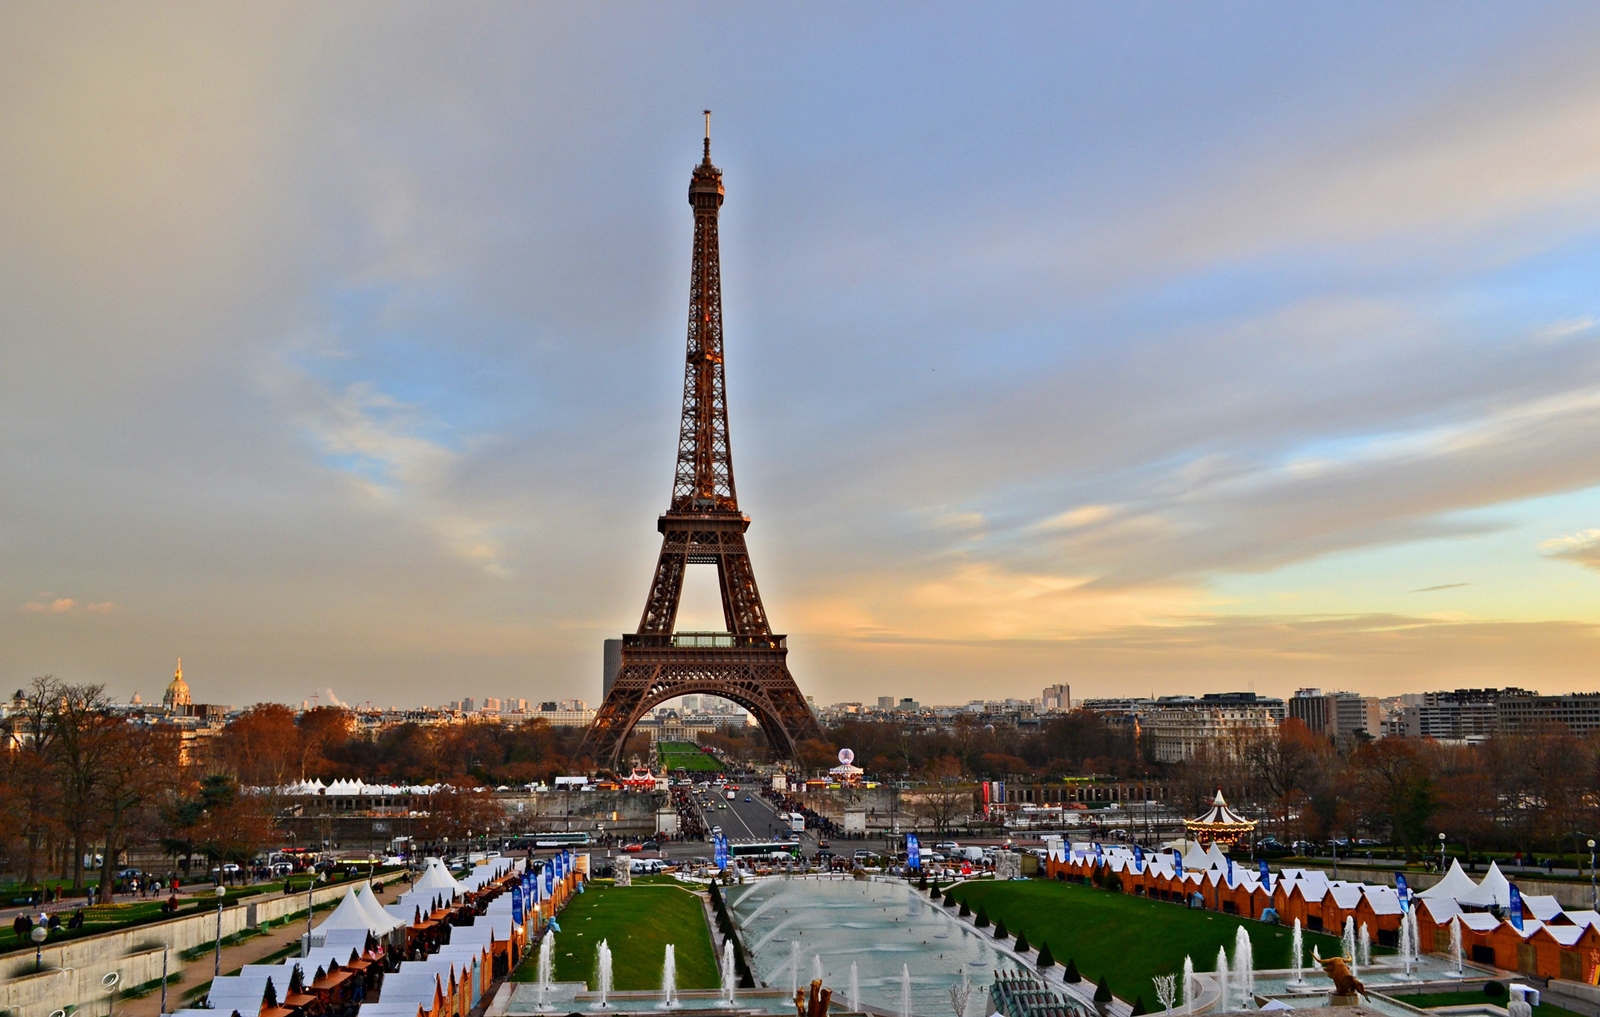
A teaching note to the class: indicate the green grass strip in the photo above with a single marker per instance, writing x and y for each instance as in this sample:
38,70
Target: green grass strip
637,922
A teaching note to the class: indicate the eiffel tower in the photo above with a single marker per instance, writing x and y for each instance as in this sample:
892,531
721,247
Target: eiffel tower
746,664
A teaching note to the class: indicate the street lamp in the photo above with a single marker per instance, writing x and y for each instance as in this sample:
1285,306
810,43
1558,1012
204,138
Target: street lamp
1441,855
216,970
1594,894
38,935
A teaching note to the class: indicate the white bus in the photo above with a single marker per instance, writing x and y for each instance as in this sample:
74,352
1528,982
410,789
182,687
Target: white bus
796,821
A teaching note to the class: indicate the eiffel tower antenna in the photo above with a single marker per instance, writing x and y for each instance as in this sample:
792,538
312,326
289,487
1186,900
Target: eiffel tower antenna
747,663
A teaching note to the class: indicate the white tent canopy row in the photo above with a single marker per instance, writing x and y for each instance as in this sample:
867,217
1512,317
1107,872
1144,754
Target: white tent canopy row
1493,891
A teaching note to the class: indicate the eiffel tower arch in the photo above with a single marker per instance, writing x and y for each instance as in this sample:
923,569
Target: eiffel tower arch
747,663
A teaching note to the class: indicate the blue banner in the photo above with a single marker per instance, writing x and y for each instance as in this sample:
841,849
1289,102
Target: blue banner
913,852
516,904
1230,870
1099,855
1177,866
1516,908
1266,876
1403,891
1138,858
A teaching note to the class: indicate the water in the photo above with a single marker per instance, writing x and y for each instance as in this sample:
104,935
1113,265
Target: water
603,974
905,990
794,967
546,969
960,995
816,968
1244,967
855,987
1297,945
669,979
1348,941
727,972
1222,980
1455,944
1188,985
1364,945
1405,946
880,927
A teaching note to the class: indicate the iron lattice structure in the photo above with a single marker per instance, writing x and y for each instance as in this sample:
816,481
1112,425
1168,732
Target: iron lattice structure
746,664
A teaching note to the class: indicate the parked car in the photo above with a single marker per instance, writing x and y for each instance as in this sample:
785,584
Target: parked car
651,845
633,848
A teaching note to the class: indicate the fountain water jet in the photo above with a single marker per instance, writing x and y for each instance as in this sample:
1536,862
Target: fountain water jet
1297,946
1244,968
1348,942
1405,947
816,967
855,988
669,979
794,967
603,974
727,973
546,970
905,990
1222,980
1364,944
1188,985
1455,944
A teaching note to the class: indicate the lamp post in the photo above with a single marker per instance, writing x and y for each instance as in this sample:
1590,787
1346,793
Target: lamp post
38,935
1594,893
1441,856
216,969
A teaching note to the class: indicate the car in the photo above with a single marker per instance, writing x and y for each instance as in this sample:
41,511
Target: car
651,845
722,805
716,829
633,848
129,874
1366,842
822,843
946,845
747,798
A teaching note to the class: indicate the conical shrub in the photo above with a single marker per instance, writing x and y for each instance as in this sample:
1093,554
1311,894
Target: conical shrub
982,921
1022,942
1102,991
1000,930
1046,958
1071,974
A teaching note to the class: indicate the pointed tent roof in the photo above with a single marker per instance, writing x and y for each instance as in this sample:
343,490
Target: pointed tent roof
349,915
435,876
382,921
1456,885
1495,890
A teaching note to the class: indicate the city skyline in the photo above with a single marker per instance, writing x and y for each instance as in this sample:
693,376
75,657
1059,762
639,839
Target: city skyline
1171,351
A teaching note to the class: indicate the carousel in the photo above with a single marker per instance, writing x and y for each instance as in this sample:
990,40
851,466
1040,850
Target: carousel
846,773
1221,825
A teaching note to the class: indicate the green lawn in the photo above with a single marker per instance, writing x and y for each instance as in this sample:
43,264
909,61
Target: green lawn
1124,938
685,756
638,922
1430,1000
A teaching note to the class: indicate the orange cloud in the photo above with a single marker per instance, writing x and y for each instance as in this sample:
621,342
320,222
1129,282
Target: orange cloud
65,605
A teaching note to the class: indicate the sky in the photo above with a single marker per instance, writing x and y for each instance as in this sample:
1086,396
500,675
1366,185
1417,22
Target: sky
1148,348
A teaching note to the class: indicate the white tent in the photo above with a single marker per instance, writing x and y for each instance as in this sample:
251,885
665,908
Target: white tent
436,877
351,914
1456,885
1495,890
382,921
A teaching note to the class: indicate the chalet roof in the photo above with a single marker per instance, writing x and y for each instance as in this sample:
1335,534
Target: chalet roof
1440,909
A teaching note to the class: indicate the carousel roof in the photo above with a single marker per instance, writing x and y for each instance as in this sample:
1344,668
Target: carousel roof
1220,818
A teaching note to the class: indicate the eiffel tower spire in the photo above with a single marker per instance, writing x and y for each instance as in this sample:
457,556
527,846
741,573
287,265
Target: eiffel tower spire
746,663
704,478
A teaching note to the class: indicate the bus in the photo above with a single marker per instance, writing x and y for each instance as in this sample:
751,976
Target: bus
560,840
765,849
795,820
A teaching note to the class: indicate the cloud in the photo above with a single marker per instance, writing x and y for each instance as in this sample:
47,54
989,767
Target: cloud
66,605
1445,586
1582,547
61,605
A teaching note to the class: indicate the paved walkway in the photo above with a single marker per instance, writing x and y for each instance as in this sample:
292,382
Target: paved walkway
251,951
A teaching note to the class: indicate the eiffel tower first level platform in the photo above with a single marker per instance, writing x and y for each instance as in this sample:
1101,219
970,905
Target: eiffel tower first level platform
748,663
